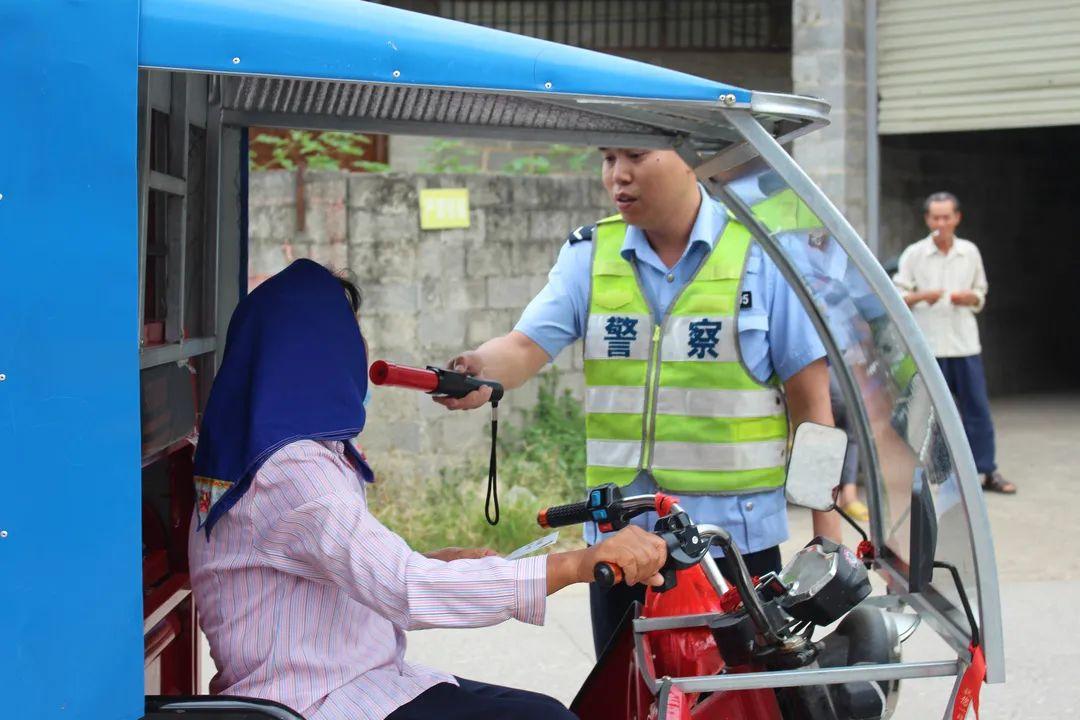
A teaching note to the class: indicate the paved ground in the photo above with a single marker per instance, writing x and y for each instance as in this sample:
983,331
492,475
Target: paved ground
1038,565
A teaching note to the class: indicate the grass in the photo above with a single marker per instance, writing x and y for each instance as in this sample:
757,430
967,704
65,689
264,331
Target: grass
541,463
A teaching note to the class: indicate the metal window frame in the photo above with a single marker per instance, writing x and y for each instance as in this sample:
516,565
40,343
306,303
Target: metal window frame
171,93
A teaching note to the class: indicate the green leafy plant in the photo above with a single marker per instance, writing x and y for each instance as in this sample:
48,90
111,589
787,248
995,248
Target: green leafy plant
450,156
528,165
555,158
541,463
327,150
371,166
576,159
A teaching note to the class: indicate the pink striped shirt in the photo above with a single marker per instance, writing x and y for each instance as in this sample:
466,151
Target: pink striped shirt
305,596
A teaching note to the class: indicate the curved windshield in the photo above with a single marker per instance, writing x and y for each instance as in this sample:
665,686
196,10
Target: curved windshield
904,435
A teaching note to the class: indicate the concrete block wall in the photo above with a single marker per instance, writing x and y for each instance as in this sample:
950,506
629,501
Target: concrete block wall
427,295
829,61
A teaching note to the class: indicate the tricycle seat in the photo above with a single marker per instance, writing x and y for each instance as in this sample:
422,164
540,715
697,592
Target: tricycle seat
215,707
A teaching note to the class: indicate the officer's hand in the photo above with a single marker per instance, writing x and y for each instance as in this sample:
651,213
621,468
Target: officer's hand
640,554
469,363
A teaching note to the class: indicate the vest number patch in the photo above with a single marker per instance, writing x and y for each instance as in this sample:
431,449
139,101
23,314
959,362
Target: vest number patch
620,332
704,336
746,300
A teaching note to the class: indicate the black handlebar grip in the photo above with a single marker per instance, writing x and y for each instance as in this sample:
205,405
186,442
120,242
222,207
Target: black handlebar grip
607,574
458,385
562,515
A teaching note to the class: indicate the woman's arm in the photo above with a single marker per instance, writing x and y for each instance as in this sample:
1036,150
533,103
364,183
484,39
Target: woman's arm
313,523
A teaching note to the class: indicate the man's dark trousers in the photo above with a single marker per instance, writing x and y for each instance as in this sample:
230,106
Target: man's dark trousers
607,607
967,381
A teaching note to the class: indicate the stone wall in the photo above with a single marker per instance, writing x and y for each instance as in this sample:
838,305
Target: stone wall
427,294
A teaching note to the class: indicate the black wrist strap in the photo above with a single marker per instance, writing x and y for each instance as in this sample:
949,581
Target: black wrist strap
493,481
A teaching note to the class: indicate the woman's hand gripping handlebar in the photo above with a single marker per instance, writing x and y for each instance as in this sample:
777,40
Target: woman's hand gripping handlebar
632,555
685,545
612,513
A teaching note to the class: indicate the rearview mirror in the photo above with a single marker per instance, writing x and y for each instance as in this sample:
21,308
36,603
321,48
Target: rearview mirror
815,465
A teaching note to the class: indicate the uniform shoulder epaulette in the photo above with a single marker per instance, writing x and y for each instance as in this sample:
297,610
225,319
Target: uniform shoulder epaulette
583,233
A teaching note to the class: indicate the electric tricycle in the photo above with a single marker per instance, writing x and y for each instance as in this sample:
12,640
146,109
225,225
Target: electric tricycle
744,649
123,241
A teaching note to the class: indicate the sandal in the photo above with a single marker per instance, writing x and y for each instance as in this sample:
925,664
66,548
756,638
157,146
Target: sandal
994,482
857,510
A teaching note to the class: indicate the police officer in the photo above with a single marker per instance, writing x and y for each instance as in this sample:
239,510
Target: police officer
690,334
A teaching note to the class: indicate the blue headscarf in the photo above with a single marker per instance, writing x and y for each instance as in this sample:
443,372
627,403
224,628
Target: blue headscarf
294,368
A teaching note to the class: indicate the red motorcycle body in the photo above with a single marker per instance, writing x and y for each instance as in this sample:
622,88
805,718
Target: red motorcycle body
616,689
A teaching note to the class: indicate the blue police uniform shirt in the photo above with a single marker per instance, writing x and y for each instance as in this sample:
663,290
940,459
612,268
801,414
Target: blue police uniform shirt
775,336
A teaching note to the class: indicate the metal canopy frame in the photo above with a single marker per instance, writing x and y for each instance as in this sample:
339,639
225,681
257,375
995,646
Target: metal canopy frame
714,132
776,678
591,120
54,65
641,626
714,137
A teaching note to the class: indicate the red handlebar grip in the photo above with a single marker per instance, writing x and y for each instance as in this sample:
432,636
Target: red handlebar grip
541,518
384,373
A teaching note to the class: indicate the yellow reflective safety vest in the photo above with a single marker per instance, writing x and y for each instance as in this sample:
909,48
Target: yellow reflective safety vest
674,399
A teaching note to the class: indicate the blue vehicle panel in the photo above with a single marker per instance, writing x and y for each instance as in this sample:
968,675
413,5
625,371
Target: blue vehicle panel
70,564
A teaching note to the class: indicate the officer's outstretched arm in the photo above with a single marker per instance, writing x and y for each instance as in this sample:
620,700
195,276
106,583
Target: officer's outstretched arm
510,359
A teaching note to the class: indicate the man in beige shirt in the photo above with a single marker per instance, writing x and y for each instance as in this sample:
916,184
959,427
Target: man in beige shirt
944,284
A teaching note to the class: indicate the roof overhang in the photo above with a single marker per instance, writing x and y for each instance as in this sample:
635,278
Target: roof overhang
349,65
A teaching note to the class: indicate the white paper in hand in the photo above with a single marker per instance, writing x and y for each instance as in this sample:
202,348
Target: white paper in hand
535,545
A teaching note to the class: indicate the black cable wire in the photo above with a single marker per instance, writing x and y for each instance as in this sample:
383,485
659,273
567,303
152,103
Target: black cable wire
493,486
851,521
963,599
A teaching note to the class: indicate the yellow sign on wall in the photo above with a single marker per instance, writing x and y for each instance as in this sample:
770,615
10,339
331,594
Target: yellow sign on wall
444,208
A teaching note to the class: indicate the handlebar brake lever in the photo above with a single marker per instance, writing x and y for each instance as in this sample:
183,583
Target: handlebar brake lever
685,546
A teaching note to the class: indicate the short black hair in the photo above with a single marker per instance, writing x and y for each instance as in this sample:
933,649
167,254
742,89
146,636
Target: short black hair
351,290
941,196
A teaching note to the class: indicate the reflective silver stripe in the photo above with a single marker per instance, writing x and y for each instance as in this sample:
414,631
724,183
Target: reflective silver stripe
689,402
689,456
678,344
613,453
614,399
600,344
694,402
715,456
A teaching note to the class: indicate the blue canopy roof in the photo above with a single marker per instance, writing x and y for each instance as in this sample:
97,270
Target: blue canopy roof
352,65
366,42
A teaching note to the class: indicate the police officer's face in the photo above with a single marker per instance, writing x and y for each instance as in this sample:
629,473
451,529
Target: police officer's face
647,186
